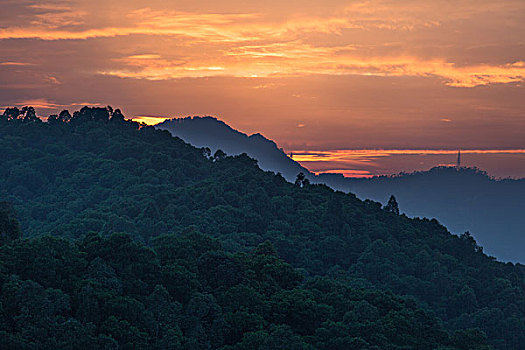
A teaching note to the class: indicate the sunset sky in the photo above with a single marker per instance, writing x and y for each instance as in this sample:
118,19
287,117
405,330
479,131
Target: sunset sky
315,76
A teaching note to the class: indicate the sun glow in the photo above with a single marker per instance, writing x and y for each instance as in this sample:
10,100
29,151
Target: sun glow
336,155
149,120
368,163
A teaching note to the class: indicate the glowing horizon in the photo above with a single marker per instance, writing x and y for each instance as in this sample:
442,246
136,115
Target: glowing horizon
371,162
310,75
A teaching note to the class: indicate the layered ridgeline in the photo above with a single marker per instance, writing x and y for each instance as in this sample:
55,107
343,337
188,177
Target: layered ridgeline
463,200
209,132
161,243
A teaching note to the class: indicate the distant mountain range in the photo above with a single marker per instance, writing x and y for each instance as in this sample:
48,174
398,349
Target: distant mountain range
465,199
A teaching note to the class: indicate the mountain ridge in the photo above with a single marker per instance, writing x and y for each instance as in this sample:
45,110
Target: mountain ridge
200,129
455,201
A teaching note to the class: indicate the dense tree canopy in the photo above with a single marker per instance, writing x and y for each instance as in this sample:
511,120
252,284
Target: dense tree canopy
9,226
141,207
186,292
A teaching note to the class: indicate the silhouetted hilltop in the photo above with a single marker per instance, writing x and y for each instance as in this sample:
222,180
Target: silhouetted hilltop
464,200
215,134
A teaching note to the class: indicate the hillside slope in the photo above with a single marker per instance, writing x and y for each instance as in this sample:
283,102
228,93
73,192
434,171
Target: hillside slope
215,134
464,200
99,173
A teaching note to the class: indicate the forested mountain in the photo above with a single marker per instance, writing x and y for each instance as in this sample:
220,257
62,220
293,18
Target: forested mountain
463,200
217,135
155,243
185,292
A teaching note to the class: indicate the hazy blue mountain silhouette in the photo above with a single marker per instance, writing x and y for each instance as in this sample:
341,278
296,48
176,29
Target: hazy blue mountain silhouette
465,199
215,134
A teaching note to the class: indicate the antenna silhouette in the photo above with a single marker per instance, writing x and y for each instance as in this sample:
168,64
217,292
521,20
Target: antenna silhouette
458,164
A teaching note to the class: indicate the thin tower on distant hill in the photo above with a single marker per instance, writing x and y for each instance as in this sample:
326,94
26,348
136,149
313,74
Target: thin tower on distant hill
458,164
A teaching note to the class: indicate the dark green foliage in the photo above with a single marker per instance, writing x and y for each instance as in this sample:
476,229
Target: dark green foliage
9,226
114,293
158,208
392,206
301,180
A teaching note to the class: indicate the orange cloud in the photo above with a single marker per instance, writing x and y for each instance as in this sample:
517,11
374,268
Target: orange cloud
16,64
45,104
366,154
411,15
251,44
348,173
211,27
39,103
298,59
59,19
367,163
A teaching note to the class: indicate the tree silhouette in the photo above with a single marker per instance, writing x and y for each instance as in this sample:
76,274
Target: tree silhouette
392,206
65,116
219,154
301,180
206,151
11,113
28,113
116,115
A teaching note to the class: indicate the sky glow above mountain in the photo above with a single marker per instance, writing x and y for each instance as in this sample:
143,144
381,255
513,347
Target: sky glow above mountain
314,76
